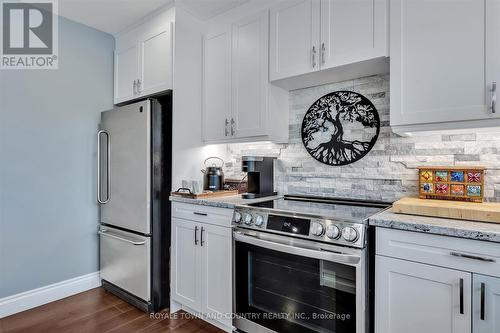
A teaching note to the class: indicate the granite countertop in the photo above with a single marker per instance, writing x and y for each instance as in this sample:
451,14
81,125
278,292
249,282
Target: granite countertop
222,202
439,226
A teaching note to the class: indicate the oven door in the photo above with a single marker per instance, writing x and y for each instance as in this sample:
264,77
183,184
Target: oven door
284,284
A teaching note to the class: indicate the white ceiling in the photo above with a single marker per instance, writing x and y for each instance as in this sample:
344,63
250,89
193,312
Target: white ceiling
113,16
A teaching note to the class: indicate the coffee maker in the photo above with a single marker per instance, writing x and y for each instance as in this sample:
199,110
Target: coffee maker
260,174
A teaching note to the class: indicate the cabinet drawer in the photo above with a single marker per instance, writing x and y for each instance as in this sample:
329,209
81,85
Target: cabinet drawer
204,214
462,254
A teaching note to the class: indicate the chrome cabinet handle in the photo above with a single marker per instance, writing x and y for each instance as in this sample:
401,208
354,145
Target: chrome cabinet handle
483,292
314,56
468,256
493,97
461,296
135,87
226,130
196,235
201,236
107,234
139,88
108,169
232,126
323,53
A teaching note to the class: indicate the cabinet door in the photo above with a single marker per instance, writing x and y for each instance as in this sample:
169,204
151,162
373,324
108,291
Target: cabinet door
216,86
126,72
416,298
486,307
294,38
186,263
249,76
156,61
217,273
492,54
343,42
437,61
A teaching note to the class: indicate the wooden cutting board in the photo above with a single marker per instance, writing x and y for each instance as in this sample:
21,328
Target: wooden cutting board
205,195
484,212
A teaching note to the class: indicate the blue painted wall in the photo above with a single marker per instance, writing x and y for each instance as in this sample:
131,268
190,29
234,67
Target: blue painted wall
48,121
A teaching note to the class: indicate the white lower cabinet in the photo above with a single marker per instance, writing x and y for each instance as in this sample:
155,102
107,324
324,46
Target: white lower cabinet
216,273
435,284
486,304
416,298
201,279
186,259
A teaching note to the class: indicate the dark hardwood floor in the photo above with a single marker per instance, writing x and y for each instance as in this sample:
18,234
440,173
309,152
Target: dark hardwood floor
99,311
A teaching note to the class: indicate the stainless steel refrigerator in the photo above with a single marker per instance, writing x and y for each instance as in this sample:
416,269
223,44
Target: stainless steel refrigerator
133,185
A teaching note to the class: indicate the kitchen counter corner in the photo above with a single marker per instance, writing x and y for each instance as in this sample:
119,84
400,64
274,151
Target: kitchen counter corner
438,226
221,202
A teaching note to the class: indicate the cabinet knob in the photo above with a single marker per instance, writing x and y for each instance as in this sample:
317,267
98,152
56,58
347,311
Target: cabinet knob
226,130
135,87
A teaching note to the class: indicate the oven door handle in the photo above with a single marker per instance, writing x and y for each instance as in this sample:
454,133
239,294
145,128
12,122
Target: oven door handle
300,251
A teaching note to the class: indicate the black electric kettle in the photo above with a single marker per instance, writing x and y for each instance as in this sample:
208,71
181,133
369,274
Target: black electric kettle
213,179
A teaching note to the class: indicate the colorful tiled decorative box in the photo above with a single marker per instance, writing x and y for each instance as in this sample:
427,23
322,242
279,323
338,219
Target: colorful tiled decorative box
461,184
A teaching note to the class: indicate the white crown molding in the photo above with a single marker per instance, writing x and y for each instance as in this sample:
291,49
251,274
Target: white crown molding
36,297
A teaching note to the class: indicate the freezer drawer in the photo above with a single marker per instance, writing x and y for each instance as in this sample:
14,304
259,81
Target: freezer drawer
125,261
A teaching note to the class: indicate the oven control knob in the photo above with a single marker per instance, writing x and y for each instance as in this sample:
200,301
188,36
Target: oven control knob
350,234
237,217
317,229
332,231
247,218
259,220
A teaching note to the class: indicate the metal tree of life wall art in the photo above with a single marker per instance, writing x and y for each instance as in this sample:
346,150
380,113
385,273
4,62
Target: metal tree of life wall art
340,128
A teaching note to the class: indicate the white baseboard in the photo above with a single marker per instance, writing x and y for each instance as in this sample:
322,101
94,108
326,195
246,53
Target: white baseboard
36,297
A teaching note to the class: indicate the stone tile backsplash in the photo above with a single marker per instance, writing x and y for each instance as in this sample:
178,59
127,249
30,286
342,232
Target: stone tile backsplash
388,172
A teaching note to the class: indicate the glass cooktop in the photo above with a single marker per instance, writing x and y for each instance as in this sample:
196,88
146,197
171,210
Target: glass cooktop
339,209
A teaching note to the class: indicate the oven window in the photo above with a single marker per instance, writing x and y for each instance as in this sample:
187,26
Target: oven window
288,293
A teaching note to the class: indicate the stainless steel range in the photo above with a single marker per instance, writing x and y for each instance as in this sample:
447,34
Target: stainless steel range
300,265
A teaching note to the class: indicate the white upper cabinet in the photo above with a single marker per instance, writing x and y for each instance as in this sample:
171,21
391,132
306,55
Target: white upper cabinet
217,85
144,59
492,55
294,38
312,41
239,103
445,56
249,76
343,42
126,72
156,60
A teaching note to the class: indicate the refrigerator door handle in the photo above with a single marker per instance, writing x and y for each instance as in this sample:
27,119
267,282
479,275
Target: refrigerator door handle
108,169
110,235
